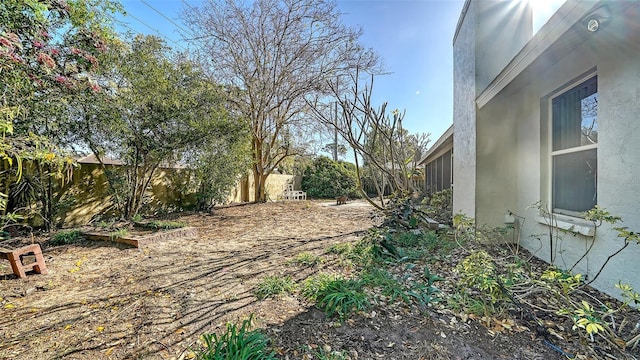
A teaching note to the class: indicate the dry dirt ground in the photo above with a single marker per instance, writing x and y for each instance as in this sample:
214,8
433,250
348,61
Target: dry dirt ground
103,300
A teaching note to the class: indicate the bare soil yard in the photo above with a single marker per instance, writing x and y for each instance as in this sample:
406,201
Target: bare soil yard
103,300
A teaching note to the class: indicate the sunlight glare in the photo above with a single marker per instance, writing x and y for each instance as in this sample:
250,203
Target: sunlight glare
542,11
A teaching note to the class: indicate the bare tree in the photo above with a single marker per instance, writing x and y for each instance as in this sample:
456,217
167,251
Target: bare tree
376,137
272,54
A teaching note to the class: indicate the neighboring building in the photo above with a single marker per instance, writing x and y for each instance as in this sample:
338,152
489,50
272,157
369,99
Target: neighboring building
551,119
437,164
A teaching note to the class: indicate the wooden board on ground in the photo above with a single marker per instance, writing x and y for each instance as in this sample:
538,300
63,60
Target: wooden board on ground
142,240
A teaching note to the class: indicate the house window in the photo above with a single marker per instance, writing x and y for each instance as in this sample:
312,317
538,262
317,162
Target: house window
575,148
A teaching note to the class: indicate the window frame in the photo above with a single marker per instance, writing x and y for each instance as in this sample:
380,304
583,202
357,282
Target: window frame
553,153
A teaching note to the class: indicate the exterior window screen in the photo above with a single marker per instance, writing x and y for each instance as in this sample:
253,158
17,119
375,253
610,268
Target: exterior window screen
438,173
574,148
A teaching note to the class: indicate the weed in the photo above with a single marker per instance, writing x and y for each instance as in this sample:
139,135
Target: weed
477,271
342,297
341,248
426,293
119,234
237,344
326,353
306,259
105,224
315,285
65,237
137,218
380,278
165,225
275,285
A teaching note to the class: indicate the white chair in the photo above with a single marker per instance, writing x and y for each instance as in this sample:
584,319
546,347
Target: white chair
290,194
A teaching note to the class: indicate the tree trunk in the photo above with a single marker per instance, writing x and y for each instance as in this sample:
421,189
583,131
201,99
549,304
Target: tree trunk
260,181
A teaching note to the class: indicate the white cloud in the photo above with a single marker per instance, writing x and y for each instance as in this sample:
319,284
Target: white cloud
417,92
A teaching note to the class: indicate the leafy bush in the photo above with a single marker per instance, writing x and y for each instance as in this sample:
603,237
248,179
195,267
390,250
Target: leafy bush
65,237
237,344
480,277
328,179
275,285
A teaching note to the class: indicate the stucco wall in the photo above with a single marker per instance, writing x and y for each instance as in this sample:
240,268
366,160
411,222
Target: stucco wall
613,54
464,114
503,29
276,183
497,154
87,195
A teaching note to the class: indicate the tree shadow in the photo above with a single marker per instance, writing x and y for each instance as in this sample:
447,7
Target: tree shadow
160,300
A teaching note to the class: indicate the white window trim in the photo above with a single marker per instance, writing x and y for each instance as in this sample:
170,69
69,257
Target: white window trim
568,223
571,221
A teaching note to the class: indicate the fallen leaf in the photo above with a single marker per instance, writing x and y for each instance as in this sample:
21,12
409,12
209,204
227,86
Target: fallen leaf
100,329
9,306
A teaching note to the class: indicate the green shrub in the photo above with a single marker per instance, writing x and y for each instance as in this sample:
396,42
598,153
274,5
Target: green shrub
65,237
237,344
328,179
275,285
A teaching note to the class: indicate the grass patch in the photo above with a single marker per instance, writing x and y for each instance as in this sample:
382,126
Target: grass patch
306,259
119,234
65,237
382,279
237,343
339,249
315,285
342,297
272,286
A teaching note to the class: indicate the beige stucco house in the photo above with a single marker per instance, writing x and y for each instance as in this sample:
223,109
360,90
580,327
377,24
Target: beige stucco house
551,118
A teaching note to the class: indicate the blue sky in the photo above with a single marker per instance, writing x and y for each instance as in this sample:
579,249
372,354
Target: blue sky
414,38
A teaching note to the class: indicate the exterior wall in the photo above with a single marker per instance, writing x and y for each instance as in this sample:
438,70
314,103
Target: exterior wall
464,113
613,53
503,29
276,183
87,195
496,161
490,33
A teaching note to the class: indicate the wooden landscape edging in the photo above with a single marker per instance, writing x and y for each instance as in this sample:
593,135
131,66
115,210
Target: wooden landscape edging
140,241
